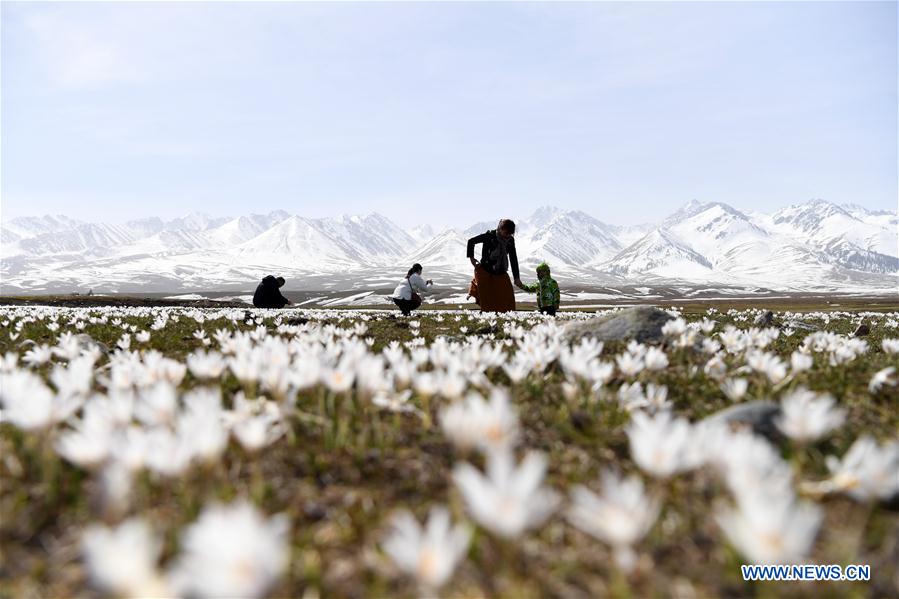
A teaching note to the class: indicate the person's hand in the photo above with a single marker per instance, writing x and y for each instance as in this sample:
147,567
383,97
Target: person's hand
474,262
429,282
518,283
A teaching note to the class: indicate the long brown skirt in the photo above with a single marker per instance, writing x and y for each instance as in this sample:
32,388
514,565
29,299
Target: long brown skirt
493,293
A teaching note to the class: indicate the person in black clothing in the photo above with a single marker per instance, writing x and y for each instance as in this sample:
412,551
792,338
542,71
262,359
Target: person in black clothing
268,293
491,286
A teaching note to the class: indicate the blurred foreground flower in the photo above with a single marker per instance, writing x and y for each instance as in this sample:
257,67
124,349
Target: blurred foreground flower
231,551
808,416
621,516
122,560
769,529
477,423
509,499
429,554
867,471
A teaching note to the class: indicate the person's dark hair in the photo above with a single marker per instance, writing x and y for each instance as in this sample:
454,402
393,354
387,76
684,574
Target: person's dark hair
280,281
506,224
415,268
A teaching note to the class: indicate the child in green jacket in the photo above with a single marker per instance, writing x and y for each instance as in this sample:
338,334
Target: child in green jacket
547,290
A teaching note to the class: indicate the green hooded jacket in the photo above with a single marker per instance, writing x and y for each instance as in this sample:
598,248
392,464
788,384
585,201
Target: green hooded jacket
546,288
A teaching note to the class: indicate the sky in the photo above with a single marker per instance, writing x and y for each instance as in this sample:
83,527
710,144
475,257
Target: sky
444,113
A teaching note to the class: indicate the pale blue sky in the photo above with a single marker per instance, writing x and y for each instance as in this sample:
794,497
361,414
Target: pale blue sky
448,113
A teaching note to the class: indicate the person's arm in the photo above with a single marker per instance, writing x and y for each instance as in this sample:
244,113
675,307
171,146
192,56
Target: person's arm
532,288
470,249
418,284
513,262
557,297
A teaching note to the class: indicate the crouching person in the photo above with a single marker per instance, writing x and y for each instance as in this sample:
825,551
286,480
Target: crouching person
547,290
406,295
268,293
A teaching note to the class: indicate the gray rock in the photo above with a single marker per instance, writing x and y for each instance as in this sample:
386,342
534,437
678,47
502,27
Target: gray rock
764,320
862,330
643,323
798,324
759,415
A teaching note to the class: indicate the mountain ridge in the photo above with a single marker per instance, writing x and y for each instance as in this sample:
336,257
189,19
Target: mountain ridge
811,245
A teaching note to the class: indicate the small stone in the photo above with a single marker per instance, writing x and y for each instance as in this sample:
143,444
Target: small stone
764,320
758,415
862,330
643,323
297,321
798,324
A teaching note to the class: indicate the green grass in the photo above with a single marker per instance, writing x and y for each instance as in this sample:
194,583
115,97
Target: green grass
339,492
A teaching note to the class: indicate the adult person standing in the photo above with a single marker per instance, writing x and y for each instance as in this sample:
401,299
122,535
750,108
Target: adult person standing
268,293
491,286
406,295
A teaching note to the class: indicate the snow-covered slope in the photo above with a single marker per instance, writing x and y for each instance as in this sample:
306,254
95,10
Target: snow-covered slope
808,246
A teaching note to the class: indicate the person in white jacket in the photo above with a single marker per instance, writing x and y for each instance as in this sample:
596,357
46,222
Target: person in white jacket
406,295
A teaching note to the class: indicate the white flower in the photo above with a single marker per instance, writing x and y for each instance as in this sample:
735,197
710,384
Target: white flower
508,500
715,368
867,471
394,401
206,365
890,346
430,555
157,405
808,416
630,364
142,337
655,359
256,423
37,355
881,378
477,423
771,530
338,380
620,517
660,444
674,328
30,404
735,389
768,364
800,361
122,560
232,551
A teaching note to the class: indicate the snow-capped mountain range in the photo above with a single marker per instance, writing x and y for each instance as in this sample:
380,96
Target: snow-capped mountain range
812,246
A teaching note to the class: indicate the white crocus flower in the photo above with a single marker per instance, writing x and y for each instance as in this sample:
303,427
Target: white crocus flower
735,389
255,423
122,560
157,404
800,361
655,359
232,551
768,364
620,517
881,378
206,366
807,416
660,444
429,554
142,336
771,529
630,364
509,499
890,346
37,355
715,368
477,423
867,471
30,405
